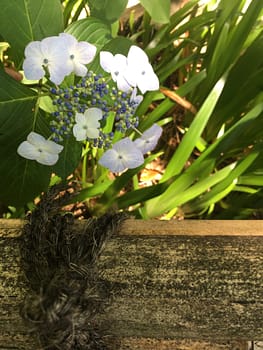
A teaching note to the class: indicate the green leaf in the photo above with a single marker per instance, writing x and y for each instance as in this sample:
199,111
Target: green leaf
173,198
69,158
23,21
224,187
92,30
107,10
140,195
110,195
92,191
117,45
158,10
20,180
194,132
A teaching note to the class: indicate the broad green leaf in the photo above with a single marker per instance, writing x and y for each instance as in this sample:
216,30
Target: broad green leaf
117,45
107,10
20,180
92,30
158,10
22,21
69,158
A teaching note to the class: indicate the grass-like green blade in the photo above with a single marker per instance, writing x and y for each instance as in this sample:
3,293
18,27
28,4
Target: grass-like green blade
194,132
174,198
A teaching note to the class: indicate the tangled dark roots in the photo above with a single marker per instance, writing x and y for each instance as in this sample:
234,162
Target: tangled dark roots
59,261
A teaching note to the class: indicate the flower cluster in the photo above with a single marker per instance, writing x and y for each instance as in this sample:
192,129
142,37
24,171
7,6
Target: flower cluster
126,154
58,56
93,105
131,71
93,92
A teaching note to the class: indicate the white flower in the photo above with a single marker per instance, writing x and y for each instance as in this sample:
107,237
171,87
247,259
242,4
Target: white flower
123,155
87,124
78,54
116,65
139,71
149,139
135,99
36,147
49,53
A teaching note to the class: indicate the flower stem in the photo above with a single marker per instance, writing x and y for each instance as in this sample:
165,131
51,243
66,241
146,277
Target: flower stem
84,164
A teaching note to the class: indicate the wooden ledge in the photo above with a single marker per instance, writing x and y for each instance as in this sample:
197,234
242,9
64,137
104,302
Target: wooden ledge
199,280
13,227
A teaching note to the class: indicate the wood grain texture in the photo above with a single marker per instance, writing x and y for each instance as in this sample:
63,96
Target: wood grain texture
199,280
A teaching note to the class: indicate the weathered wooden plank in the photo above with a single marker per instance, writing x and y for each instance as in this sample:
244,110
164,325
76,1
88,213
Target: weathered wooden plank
182,279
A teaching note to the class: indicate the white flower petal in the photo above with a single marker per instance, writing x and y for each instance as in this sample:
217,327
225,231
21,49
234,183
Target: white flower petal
80,119
111,160
32,69
32,64
46,158
148,82
148,141
130,154
36,139
57,73
93,133
33,49
27,150
139,71
52,147
136,56
86,52
78,54
93,113
123,155
69,40
118,67
122,84
52,53
79,132
79,69
135,99
106,60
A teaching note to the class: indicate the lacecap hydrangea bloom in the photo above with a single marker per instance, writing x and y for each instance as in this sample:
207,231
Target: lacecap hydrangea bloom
83,109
